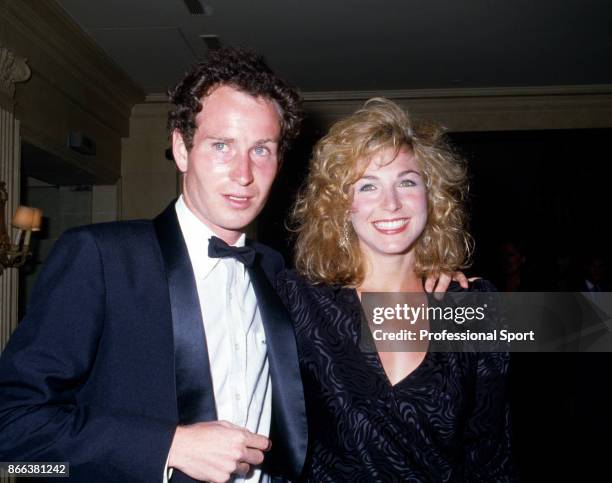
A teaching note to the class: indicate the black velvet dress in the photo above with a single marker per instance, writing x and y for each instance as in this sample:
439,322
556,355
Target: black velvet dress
448,420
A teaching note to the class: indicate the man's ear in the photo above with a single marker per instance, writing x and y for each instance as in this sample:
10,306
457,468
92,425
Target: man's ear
179,151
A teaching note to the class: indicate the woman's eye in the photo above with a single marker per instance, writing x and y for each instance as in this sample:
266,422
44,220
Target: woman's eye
367,187
407,183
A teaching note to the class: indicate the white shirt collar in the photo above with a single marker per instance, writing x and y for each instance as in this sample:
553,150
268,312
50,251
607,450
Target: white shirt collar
196,235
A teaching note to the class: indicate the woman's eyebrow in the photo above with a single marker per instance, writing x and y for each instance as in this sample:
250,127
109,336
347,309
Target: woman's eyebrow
399,175
408,171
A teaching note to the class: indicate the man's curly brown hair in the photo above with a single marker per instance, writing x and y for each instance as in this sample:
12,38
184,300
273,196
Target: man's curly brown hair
243,70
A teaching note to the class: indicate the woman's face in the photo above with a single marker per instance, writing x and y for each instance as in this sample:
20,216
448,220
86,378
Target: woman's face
389,208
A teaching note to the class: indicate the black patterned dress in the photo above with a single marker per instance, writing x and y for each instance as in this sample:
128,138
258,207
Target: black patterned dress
448,420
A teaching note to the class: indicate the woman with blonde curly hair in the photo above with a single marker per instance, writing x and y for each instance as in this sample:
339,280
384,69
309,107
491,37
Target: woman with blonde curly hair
382,210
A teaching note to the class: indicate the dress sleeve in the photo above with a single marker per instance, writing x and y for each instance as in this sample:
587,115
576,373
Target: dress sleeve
488,428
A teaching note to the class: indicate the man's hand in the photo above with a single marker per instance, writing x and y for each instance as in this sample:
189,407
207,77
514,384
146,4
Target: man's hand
440,284
214,450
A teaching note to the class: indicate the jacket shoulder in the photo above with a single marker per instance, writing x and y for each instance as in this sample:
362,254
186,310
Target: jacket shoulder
115,230
118,227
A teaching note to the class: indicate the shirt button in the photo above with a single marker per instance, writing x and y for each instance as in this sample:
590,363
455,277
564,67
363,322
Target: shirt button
237,347
237,397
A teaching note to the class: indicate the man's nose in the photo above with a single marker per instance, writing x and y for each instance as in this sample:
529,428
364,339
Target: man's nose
242,172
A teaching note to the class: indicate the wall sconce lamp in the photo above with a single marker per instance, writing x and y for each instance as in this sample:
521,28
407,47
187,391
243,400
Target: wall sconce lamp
26,220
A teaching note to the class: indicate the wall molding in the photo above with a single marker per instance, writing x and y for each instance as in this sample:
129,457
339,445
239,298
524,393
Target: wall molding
460,92
475,109
483,109
157,98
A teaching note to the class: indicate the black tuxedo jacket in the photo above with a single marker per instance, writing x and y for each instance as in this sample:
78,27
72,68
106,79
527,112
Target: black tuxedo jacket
90,374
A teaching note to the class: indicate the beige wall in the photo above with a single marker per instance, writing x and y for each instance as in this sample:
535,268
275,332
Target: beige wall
148,180
105,203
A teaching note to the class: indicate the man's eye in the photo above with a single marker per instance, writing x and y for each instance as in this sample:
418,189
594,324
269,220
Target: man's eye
407,182
261,150
221,147
367,187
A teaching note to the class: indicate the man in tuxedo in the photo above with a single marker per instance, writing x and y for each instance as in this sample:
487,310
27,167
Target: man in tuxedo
156,349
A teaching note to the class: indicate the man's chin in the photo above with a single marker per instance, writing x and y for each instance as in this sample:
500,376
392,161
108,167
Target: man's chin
238,220
238,226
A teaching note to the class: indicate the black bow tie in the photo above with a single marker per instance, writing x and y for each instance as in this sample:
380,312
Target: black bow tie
217,248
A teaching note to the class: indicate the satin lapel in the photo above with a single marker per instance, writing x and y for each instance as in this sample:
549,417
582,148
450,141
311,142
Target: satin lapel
289,413
195,396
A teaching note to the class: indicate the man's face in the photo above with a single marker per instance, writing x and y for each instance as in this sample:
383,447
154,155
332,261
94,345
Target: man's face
229,170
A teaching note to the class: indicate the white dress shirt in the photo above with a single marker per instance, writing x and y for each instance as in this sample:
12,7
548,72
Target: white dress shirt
234,333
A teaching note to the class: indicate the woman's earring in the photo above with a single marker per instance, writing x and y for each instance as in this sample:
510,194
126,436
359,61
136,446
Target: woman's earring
345,241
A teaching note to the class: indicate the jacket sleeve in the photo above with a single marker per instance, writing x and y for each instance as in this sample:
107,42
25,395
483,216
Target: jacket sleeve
46,364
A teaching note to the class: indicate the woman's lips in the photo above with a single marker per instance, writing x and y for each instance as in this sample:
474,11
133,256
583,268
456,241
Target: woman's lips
391,227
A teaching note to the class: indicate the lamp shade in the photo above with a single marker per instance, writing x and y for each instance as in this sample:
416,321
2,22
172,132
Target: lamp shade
23,218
